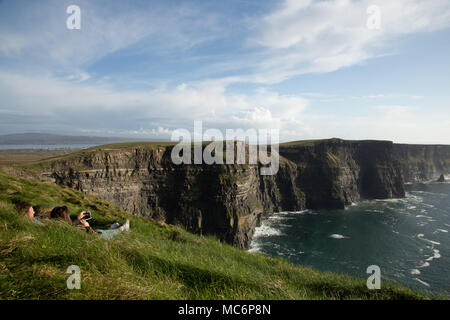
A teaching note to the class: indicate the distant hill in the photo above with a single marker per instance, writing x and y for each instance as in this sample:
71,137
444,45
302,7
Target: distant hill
54,139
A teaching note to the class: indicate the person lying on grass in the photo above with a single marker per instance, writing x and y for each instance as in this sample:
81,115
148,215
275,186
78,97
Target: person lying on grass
80,222
63,213
28,210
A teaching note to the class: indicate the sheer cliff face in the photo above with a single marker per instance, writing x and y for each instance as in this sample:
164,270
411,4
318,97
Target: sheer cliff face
224,200
335,173
422,162
228,200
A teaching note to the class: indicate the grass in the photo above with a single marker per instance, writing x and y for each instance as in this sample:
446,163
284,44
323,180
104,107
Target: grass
85,153
311,143
28,156
152,261
302,143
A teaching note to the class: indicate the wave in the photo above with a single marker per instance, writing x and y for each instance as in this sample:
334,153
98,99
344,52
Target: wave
375,211
394,200
422,282
421,237
278,217
428,193
266,231
338,236
409,197
255,248
422,224
436,255
307,211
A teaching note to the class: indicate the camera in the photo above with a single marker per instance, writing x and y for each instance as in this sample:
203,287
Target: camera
87,216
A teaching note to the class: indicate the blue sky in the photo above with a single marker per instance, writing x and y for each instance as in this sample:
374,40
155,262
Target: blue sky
312,69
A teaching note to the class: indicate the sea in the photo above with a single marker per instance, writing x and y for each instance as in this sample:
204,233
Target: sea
407,238
45,146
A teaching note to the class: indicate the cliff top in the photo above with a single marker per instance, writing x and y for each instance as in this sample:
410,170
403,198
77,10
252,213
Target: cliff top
310,143
162,145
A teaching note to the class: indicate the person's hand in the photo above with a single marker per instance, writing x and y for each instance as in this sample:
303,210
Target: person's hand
82,221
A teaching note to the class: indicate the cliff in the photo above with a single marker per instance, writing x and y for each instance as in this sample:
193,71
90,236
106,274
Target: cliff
422,162
224,200
228,200
334,173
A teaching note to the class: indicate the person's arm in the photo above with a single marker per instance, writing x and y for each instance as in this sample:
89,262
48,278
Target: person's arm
83,222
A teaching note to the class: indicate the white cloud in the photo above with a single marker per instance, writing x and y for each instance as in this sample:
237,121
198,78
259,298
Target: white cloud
297,37
43,104
74,104
402,124
11,45
304,36
38,33
79,76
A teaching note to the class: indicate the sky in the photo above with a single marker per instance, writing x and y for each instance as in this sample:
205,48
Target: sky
312,69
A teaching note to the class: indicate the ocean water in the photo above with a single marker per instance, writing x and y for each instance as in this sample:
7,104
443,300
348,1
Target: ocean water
407,238
45,146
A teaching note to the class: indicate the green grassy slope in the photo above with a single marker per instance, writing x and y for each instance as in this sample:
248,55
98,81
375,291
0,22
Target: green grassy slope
152,261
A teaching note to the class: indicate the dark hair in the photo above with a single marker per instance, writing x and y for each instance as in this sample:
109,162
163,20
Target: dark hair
42,212
61,213
23,207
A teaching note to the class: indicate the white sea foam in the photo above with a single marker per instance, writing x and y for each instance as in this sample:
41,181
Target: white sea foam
415,271
307,211
421,224
338,236
442,230
430,193
412,196
436,255
254,248
421,237
266,231
422,282
277,217
374,210
394,200
425,264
